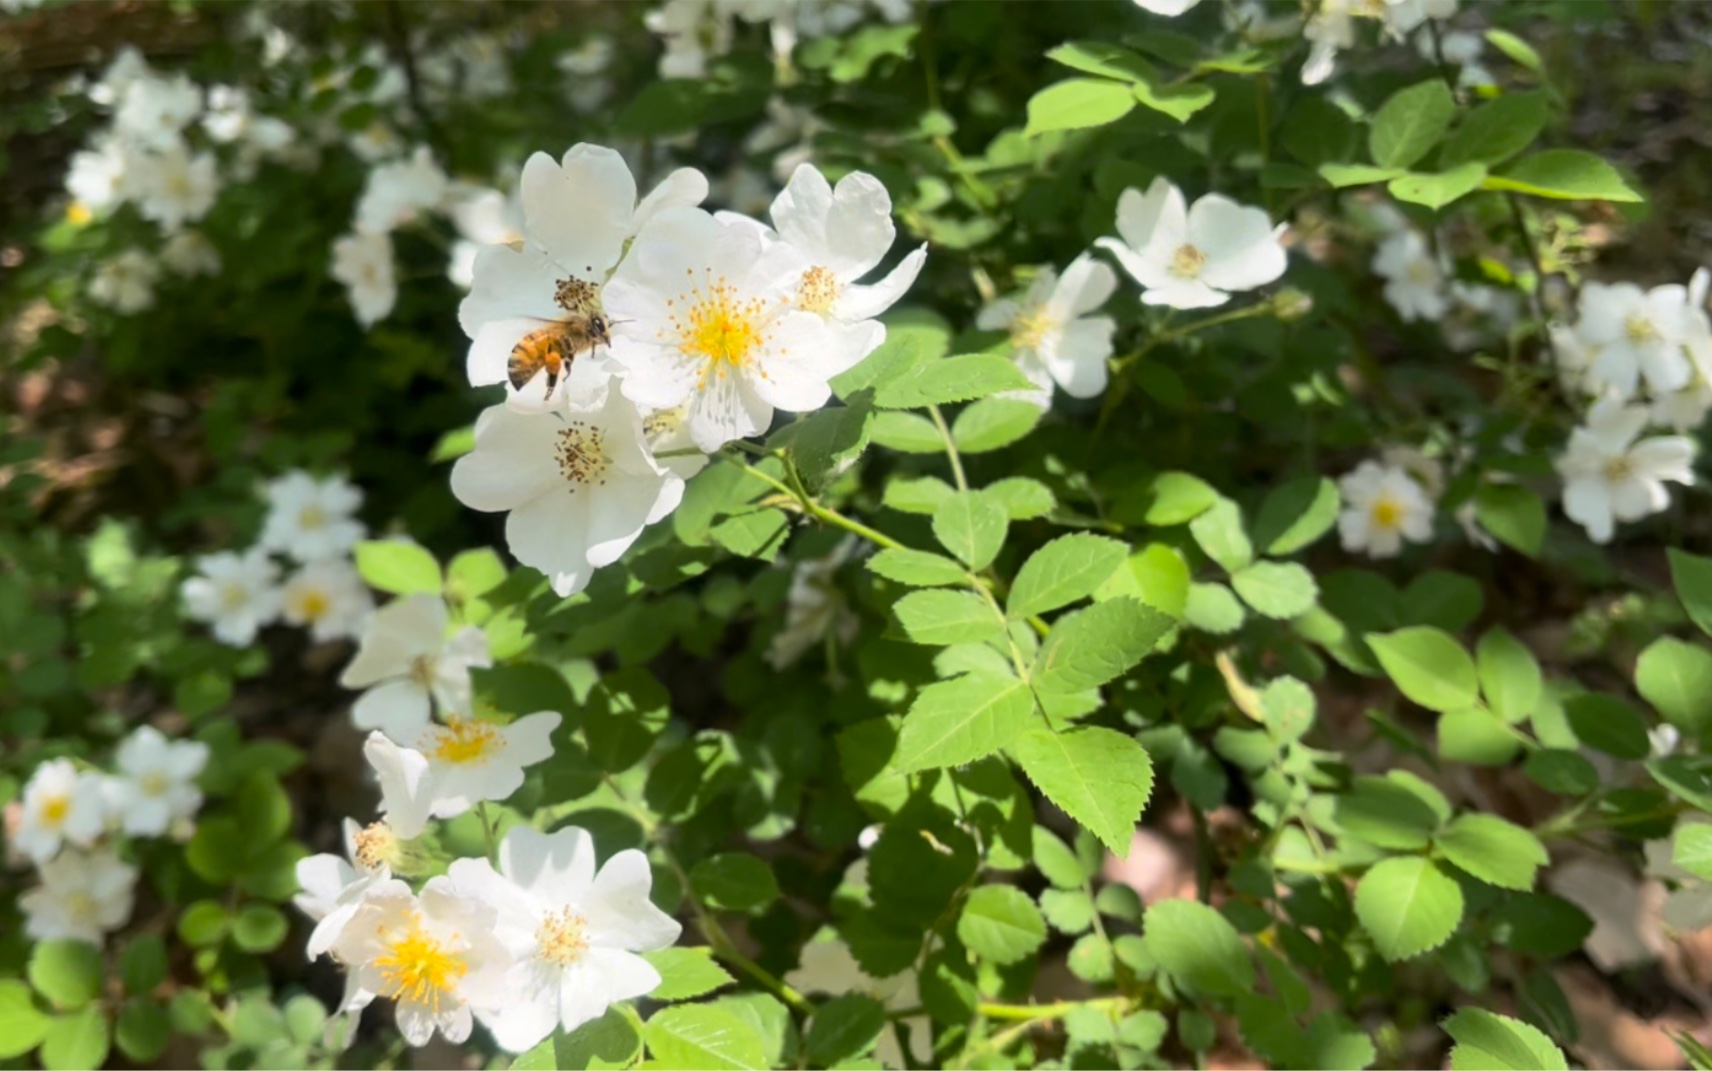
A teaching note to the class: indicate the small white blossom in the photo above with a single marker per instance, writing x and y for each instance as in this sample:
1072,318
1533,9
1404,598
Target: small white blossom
156,786
1609,477
1632,336
1383,506
573,931
1168,8
188,253
456,766
334,888
1414,277
173,188
155,110
328,597
101,175
1190,257
408,664
311,519
126,283
483,217
814,607
234,594
61,806
363,262
83,897
1053,337
842,233
1333,27
397,193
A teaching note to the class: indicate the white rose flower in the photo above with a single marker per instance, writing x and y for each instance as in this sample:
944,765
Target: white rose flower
334,888
710,319
483,217
573,932
408,664
578,213
1053,339
363,262
155,110
234,594
127,66
1168,8
156,785
328,597
126,283
843,233
397,193
456,766
1636,335
311,519
1414,277
189,254
61,806
1191,257
1609,477
173,188
83,897
579,485
433,955
1383,506
100,176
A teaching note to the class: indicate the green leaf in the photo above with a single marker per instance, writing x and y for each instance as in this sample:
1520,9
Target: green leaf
398,566
756,533
1691,849
958,721
1513,514
1497,130
67,973
686,973
971,525
1157,575
1296,514
1276,589
735,881
1101,58
1178,498
1476,736
1024,499
845,1028
907,433
1389,813
1199,948
1676,678
1493,850
77,1042
949,379
1489,1042
1213,608
1077,103
1692,576
923,495
1564,175
1606,723
1000,923
946,617
1288,707
1428,666
1057,863
142,1031
913,336
143,966
1561,771
1099,777
611,1041
702,1036
1219,532
994,423
1687,777
1410,123
259,928
1179,101
918,568
22,1027
1509,677
474,573
1069,568
1438,189
1089,647
203,923
1517,49
1408,906
821,443
1341,175
1067,910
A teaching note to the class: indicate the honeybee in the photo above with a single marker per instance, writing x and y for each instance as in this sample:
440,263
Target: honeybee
554,347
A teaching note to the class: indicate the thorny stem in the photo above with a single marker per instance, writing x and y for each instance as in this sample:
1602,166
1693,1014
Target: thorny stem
950,447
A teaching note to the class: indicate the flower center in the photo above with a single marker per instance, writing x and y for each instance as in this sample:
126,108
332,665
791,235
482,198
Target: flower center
464,741
81,906
422,670
563,937
233,596
1639,329
818,291
661,423
1421,273
55,809
721,328
1187,262
374,846
582,454
154,783
575,295
313,605
311,518
1619,469
1030,329
1387,513
178,184
418,969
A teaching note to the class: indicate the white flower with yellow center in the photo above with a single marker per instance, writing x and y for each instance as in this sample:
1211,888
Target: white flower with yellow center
455,766
154,109
189,254
1609,477
363,262
579,484
234,594
397,193
173,187
1194,256
1053,337
311,518
573,932
1383,506
434,956
126,283
408,664
705,313
578,213
156,786
83,897
61,806
843,233
334,888
1414,276
328,598
1636,336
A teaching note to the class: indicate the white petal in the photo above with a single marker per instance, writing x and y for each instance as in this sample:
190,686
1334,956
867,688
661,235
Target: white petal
860,302
1242,252
559,867
402,773
398,708
684,188
1138,215
550,533
396,634
619,910
514,462
1079,365
490,353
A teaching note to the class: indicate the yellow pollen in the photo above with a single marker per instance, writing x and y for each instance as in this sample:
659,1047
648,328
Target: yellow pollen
55,810
154,783
233,595
376,844
78,213
720,328
1421,272
464,741
1640,329
1030,329
582,455
563,937
80,905
1619,469
1387,513
312,517
575,295
1187,262
313,605
418,969
818,290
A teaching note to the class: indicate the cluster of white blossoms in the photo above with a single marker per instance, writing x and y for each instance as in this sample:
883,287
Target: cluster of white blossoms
1393,500
696,31
312,523
634,337
72,825
1183,256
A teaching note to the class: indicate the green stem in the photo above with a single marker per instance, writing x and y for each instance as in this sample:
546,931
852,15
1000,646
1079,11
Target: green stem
487,831
821,513
950,447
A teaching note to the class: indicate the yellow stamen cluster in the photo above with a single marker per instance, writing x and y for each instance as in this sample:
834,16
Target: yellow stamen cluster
818,291
563,937
582,454
1187,262
719,327
576,295
313,605
55,809
1640,329
418,969
311,517
1030,329
464,740
154,783
1619,469
376,844
1387,513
